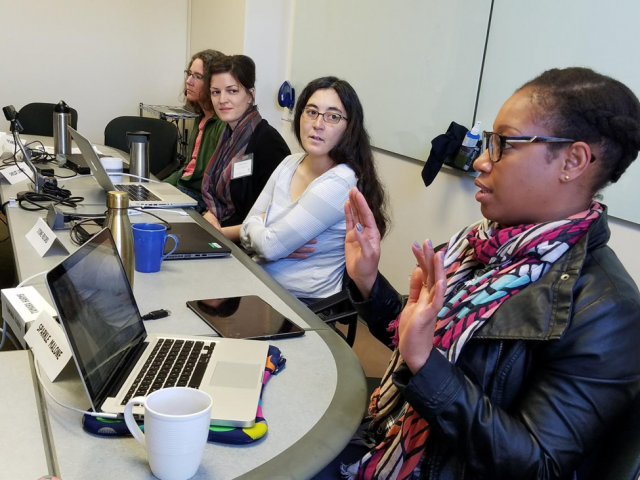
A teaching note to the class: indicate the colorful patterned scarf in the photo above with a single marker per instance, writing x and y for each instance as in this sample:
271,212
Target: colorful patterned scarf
216,182
484,265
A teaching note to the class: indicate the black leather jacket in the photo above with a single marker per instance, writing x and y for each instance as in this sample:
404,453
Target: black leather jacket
537,386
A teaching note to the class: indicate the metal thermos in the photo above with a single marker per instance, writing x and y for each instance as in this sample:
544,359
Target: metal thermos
138,154
61,135
117,220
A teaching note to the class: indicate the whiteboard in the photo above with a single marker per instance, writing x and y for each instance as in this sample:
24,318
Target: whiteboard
526,39
415,64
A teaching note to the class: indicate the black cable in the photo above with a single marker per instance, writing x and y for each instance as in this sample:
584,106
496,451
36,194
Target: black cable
68,176
168,225
15,159
36,198
78,234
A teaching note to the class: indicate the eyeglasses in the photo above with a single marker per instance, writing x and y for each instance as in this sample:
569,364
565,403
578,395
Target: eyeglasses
496,143
328,117
196,76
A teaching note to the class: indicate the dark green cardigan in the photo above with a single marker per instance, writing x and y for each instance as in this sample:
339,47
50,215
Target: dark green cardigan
213,128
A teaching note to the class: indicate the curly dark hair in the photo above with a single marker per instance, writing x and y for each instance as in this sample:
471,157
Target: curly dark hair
353,148
207,57
587,106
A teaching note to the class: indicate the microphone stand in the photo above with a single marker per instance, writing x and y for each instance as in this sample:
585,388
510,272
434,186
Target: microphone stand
11,115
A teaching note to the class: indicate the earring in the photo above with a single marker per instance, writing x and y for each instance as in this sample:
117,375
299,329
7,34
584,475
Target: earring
566,178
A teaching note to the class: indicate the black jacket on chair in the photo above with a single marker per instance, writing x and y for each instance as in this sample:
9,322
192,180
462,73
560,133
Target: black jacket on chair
535,390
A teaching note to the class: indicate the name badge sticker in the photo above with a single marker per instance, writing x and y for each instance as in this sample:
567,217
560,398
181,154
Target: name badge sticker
49,345
14,174
43,239
243,168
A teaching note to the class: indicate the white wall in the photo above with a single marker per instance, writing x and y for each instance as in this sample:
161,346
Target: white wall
217,24
442,209
417,212
266,31
102,58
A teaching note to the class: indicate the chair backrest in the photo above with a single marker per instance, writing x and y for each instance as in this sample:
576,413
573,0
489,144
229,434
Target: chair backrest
618,457
163,142
37,119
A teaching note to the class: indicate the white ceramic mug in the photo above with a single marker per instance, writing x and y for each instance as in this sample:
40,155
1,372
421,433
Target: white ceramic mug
176,426
113,166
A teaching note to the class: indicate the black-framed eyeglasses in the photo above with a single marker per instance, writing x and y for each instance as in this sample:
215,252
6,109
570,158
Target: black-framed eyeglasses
196,76
496,143
329,117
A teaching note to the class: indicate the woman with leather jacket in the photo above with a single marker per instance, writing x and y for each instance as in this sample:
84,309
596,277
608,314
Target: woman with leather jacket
518,344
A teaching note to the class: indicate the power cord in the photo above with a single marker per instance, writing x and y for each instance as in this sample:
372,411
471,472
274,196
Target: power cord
52,194
112,416
79,235
5,333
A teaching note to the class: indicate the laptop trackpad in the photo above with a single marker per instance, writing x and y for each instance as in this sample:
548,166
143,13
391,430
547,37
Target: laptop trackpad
236,375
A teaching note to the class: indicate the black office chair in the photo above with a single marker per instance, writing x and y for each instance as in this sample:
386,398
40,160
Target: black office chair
338,308
618,457
37,119
163,148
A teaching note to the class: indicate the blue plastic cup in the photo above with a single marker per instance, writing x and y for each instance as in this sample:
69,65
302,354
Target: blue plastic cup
148,243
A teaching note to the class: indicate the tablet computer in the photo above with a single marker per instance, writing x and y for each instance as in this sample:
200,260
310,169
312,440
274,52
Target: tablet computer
247,317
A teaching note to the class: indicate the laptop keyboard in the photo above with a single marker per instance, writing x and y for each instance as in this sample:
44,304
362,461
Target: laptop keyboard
172,363
137,192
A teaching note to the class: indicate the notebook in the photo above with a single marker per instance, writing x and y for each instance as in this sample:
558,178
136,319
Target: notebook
140,194
194,242
117,359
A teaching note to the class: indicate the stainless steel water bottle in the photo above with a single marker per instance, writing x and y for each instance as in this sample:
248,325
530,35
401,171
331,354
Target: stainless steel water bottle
117,220
61,135
138,154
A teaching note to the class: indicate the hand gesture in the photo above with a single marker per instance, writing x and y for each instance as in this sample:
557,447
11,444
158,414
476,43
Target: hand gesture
362,243
426,297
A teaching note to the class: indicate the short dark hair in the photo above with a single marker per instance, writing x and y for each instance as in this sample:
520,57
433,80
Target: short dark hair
207,57
587,106
353,148
241,67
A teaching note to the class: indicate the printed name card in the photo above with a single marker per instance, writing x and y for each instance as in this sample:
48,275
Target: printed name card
14,174
49,345
43,239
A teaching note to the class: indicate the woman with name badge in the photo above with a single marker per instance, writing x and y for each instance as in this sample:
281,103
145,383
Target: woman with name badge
249,149
517,348
304,197
207,129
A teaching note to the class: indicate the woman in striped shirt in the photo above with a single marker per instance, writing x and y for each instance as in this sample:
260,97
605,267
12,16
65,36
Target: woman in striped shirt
302,202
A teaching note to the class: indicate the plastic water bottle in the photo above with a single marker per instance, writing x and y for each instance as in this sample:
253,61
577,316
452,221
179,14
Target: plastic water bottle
468,151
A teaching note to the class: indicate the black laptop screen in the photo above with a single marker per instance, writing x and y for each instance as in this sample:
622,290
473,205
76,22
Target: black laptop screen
97,311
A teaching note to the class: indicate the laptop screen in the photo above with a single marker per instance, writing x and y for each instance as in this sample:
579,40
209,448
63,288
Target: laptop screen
97,311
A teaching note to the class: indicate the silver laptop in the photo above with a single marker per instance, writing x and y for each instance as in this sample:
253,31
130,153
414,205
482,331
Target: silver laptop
116,358
140,194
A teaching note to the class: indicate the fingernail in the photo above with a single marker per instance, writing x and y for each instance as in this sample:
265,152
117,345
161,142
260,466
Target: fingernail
416,244
359,227
429,243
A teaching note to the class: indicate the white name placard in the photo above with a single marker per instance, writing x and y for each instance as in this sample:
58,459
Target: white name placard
14,174
49,345
43,239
